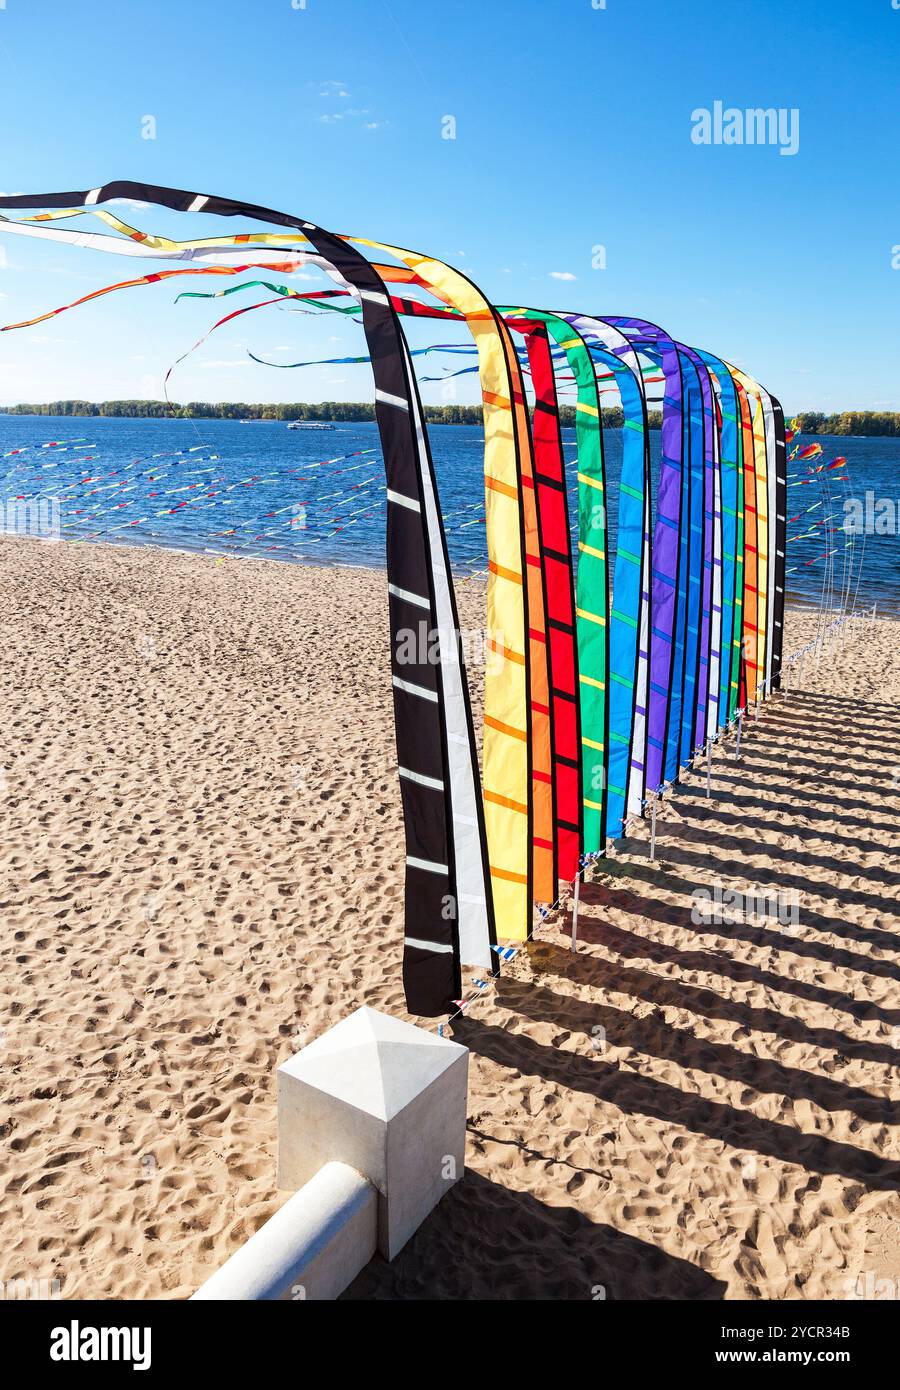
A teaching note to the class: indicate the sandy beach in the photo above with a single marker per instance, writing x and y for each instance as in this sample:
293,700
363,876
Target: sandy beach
200,867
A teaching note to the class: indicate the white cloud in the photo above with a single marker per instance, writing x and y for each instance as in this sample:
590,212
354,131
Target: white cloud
352,113
337,90
562,275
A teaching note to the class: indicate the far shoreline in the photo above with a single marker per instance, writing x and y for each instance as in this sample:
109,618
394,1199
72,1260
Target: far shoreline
856,424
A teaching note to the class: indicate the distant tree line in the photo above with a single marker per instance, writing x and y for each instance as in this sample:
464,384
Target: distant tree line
859,422
871,422
347,411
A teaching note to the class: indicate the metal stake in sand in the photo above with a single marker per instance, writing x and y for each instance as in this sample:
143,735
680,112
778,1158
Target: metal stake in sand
575,901
740,729
708,768
653,801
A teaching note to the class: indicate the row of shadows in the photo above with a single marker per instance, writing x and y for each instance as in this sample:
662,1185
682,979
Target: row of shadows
710,1103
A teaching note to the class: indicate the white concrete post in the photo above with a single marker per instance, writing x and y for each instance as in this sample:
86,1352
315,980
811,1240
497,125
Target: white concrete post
312,1248
372,1130
386,1098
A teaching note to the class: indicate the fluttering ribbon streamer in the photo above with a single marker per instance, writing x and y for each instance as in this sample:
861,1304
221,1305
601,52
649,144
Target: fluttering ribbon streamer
629,613
706,695
668,584
612,637
559,591
768,484
732,558
693,542
516,741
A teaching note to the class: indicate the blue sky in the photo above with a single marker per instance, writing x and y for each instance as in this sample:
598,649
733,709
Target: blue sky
573,130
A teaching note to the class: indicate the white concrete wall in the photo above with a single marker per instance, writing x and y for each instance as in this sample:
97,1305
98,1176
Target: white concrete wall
312,1248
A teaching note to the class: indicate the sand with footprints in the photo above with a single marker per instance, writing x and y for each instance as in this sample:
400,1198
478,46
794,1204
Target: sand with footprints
200,869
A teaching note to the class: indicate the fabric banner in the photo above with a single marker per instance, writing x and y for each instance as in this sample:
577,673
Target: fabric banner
447,892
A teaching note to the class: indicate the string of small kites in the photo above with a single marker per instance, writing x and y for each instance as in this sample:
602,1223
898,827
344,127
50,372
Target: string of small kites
302,529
